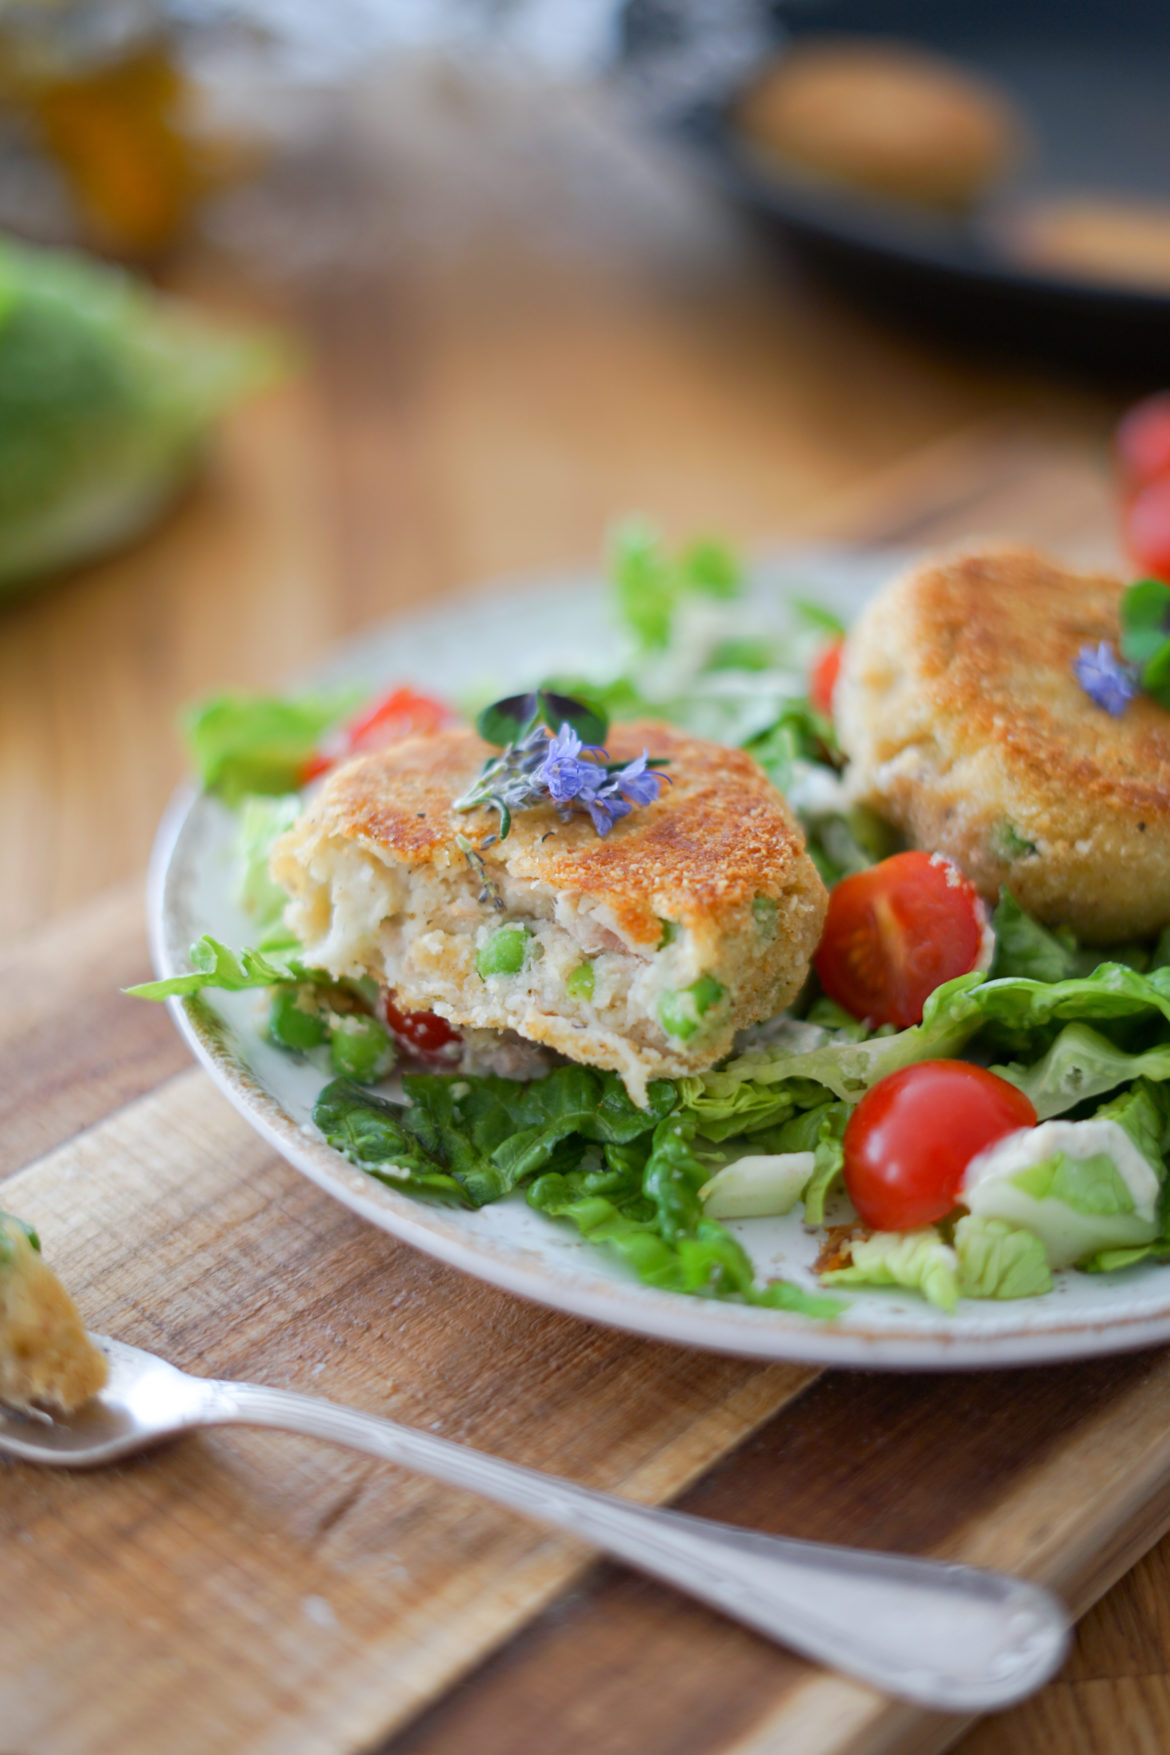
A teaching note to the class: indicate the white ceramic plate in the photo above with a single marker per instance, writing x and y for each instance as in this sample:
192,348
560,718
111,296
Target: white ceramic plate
507,639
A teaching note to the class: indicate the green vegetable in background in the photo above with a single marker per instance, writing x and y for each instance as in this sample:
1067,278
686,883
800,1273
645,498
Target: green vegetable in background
650,584
107,391
243,744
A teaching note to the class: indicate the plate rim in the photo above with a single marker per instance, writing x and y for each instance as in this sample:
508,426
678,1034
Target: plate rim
672,1317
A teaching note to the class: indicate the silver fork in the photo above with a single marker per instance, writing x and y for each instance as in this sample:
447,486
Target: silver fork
952,1637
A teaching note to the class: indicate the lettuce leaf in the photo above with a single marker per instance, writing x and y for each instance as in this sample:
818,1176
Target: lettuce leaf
1082,1064
627,1178
1023,947
998,1260
262,820
757,1186
259,743
1075,1184
216,965
766,1085
649,584
921,1261
660,1232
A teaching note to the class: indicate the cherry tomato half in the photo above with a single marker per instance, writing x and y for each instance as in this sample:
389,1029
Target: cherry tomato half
910,1139
1147,528
823,678
894,932
396,715
420,1032
1143,442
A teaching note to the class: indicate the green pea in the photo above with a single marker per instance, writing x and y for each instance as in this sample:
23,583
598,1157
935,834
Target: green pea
504,953
1008,844
360,1048
294,1021
670,931
765,909
580,982
680,1012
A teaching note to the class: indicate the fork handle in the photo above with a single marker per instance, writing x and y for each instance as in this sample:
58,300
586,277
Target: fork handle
953,1637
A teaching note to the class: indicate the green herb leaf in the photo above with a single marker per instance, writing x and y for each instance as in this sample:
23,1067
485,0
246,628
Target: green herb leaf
503,722
216,965
1145,620
1145,634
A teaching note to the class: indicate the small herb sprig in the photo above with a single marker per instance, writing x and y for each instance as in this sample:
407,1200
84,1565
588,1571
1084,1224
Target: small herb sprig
551,751
1143,666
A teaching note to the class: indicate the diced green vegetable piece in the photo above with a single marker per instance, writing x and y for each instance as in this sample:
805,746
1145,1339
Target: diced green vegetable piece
504,953
670,931
681,1011
581,981
360,1048
294,1021
766,909
1007,843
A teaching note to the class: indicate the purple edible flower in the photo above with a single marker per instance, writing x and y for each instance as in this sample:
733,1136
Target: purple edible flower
1105,678
575,773
564,773
638,783
575,776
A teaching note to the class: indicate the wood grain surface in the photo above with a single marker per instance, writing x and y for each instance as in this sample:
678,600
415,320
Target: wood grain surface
479,398
258,1593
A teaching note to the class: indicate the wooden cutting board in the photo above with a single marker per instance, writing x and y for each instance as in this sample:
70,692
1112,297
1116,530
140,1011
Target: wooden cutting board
252,1593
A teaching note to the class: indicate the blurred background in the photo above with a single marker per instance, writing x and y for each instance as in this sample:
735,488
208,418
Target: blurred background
369,302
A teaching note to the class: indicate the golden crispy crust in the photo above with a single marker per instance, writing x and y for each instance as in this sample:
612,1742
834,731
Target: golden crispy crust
718,836
380,884
967,727
45,1354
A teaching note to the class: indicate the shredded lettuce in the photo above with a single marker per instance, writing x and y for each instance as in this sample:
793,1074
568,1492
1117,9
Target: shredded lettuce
763,1185
260,743
627,1178
921,1261
998,1260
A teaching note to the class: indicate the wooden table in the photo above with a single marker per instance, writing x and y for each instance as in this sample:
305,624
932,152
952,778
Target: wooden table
479,403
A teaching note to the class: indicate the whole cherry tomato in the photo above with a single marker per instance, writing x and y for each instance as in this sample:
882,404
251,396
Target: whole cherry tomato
399,714
894,932
823,678
910,1139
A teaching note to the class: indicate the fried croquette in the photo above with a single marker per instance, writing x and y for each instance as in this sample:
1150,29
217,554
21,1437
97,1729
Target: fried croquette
967,728
643,952
46,1357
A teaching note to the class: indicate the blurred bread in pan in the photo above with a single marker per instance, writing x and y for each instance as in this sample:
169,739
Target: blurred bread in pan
883,117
